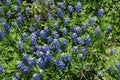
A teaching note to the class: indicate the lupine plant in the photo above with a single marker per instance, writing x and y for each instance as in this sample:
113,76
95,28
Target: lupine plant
59,40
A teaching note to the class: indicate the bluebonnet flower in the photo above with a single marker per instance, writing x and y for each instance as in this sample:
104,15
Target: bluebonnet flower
84,26
45,48
43,34
1,34
64,31
87,40
25,70
60,13
78,7
37,18
92,21
55,35
70,9
66,21
61,5
20,20
41,62
17,76
21,46
9,14
81,56
24,36
76,30
108,29
49,39
75,49
46,30
36,77
6,27
83,50
1,19
8,3
33,49
39,54
1,10
20,65
19,2
98,31
58,50
56,26
50,16
17,8
1,69
56,43
37,32
31,62
64,42
78,41
60,65
31,29
33,38
25,57
67,60
112,51
74,36
100,13
48,56
27,11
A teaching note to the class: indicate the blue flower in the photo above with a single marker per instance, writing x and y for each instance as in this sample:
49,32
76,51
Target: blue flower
1,19
21,46
49,39
8,3
100,13
92,21
75,49
24,36
25,70
36,77
83,50
110,68
9,14
109,30
84,26
87,40
33,49
6,27
98,31
25,57
37,18
20,65
20,21
1,69
64,42
50,16
39,54
55,35
60,13
81,56
78,7
19,2
1,34
64,31
76,30
48,56
46,30
112,51
61,5
43,34
46,48
33,38
66,21
41,63
56,26
27,11
56,43
58,50
17,76
67,60
79,41
17,8
31,62
70,9
74,36
60,65
31,29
